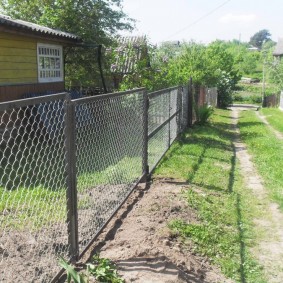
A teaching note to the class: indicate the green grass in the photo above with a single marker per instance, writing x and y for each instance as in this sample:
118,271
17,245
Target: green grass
248,93
266,150
39,206
204,157
275,117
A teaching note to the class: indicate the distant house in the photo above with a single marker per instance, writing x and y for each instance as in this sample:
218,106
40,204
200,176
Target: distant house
31,58
129,52
278,51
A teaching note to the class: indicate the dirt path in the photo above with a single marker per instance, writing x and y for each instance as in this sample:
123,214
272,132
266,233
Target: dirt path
143,247
270,250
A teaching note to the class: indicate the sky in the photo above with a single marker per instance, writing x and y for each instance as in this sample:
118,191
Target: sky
204,20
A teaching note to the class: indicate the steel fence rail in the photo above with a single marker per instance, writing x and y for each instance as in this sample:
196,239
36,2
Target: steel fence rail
67,166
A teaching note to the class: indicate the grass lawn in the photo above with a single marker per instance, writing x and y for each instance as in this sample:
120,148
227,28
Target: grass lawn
266,150
204,158
275,117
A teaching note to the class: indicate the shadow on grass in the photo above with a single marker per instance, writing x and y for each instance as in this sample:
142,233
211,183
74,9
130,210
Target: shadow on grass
239,216
220,129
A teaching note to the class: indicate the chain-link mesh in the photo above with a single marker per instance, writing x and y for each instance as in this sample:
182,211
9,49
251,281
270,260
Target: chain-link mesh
67,166
110,144
33,229
166,115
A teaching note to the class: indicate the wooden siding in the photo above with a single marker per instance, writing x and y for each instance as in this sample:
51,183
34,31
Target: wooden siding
18,59
13,92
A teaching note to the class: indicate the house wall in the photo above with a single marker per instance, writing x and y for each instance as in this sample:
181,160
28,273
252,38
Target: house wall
18,59
18,67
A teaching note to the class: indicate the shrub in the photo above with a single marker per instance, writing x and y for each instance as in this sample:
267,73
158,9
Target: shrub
203,113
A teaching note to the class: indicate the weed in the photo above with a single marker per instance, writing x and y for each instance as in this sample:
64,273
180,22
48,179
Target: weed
203,113
72,274
101,269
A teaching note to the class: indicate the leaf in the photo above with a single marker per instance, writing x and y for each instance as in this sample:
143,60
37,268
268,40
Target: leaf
71,272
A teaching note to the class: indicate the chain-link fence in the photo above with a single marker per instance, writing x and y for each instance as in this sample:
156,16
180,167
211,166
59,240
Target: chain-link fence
66,166
33,212
167,116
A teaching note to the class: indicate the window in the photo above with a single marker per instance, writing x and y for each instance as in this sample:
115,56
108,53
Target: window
50,63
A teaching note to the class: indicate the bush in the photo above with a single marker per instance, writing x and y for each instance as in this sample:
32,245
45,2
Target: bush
256,99
203,113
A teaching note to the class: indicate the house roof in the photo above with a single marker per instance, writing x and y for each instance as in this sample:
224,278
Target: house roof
278,51
130,50
20,26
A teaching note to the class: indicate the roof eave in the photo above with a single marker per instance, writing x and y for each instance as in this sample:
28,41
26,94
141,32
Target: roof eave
41,35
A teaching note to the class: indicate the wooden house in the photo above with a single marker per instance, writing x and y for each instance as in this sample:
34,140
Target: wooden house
31,58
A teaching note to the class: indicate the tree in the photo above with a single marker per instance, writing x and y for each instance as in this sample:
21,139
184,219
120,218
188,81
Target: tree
259,38
96,22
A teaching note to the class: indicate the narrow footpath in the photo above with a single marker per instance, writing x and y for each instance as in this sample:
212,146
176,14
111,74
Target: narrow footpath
269,251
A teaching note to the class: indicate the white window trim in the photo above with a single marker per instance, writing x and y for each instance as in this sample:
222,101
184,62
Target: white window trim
50,79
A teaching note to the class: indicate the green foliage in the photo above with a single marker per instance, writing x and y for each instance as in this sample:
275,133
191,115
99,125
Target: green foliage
225,86
101,269
72,274
211,65
203,113
258,38
96,22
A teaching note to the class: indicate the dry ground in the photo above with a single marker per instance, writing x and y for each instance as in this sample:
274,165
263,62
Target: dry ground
145,251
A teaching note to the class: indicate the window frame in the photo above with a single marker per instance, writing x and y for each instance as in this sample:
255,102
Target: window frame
53,57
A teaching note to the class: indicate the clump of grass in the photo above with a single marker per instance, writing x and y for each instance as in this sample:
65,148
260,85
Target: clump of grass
203,113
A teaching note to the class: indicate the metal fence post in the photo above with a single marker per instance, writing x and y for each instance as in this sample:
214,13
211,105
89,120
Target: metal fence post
145,166
169,126
190,103
179,109
72,211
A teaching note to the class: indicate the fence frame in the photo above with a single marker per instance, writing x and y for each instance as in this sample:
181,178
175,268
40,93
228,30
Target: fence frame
70,149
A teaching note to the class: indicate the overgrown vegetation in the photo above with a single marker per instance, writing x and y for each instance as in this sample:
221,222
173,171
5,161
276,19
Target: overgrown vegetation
204,158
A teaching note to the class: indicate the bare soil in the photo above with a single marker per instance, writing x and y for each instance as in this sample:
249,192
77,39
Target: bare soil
140,243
